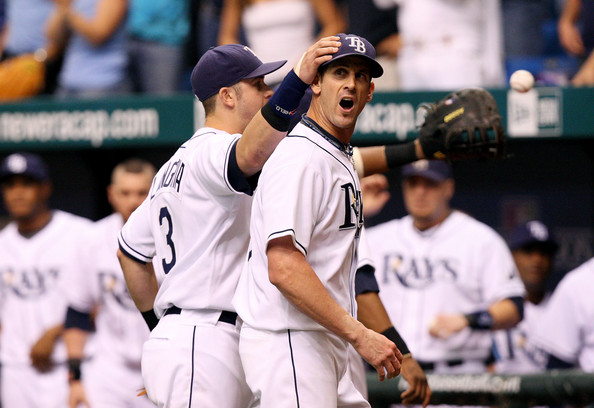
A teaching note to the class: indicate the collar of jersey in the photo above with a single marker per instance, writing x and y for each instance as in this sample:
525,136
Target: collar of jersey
310,123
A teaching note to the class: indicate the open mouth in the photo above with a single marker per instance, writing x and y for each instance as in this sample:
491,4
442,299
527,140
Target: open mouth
346,103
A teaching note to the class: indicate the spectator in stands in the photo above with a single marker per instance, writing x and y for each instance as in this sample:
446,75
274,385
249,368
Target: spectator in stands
566,329
445,278
157,34
448,45
23,33
93,32
36,252
279,29
533,250
576,34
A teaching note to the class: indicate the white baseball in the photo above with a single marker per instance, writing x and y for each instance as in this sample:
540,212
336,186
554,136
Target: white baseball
521,80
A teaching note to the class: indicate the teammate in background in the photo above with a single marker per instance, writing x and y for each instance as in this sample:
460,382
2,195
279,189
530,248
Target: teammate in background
296,292
566,329
36,251
112,377
445,278
195,223
533,250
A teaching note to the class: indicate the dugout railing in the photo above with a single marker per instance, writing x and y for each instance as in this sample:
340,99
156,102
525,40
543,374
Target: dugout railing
550,388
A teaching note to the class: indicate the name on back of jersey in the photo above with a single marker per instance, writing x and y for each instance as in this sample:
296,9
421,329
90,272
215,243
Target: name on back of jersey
171,178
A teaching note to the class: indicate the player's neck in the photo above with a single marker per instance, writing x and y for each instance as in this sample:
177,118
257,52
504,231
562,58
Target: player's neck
423,224
535,297
29,226
225,124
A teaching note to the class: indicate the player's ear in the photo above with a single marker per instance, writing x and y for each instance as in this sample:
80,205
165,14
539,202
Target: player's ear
450,188
371,90
227,96
316,86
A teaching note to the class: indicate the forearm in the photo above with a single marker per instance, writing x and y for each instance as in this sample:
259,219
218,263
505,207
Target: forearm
141,281
371,312
97,30
505,314
75,340
379,159
571,12
296,280
230,22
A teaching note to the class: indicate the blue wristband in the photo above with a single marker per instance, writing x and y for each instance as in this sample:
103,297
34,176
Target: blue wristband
284,102
482,320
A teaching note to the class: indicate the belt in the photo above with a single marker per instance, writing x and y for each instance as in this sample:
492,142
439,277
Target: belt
430,365
225,317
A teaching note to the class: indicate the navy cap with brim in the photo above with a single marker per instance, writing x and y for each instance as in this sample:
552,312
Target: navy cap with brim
24,165
532,234
354,45
226,65
435,170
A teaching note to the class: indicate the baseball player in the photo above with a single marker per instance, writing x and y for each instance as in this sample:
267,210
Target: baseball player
296,292
445,278
194,223
112,377
36,251
533,250
566,328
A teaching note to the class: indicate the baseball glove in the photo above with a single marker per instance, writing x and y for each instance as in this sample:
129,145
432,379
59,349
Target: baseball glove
464,125
21,77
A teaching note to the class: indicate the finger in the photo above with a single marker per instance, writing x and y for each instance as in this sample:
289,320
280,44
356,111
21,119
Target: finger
427,397
381,372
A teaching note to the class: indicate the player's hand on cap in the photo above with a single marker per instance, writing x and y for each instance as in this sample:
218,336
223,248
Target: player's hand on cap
444,325
320,52
418,391
380,352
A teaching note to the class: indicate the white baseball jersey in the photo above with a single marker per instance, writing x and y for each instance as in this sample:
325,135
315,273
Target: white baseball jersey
458,266
120,329
34,272
566,329
514,349
308,190
195,223
34,276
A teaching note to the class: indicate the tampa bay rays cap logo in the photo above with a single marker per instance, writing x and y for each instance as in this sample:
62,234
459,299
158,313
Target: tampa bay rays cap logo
16,163
356,43
538,230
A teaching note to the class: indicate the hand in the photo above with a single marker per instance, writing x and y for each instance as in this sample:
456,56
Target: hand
418,391
570,37
374,190
77,395
41,353
380,352
585,76
307,67
443,326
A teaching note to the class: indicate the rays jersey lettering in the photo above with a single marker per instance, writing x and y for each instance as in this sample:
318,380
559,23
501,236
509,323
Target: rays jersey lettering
114,287
30,283
418,273
171,178
353,208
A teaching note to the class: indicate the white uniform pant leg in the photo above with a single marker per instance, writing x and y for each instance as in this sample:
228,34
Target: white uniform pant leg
356,371
110,384
25,387
187,365
297,369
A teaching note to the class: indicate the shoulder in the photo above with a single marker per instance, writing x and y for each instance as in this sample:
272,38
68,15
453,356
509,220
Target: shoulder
391,227
473,228
580,277
71,220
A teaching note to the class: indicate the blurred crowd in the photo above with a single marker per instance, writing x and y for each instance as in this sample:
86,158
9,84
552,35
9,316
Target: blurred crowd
92,48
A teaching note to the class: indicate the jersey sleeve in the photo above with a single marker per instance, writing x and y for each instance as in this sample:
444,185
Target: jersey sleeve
135,239
291,202
500,276
82,291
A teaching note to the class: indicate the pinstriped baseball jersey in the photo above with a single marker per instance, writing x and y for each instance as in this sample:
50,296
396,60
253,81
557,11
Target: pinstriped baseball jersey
308,190
195,223
458,266
34,273
514,349
121,330
566,329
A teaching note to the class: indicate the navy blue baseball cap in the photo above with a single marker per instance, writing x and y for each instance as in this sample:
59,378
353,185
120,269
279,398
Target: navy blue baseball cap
226,65
24,164
352,44
435,170
532,233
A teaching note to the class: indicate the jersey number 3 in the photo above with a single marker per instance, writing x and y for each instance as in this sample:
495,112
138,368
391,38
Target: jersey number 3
164,215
